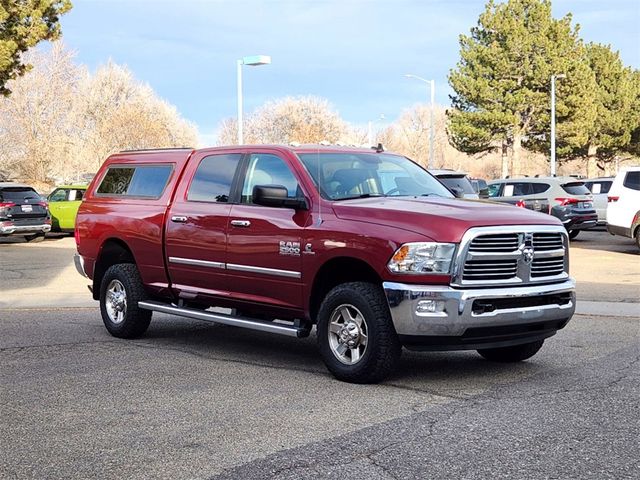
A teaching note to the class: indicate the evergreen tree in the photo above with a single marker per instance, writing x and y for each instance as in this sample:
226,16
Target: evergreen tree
613,94
24,23
502,81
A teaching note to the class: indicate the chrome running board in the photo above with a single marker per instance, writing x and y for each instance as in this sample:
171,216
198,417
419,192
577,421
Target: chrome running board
223,319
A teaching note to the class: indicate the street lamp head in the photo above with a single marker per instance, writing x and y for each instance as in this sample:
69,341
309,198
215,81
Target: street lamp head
560,75
411,75
255,60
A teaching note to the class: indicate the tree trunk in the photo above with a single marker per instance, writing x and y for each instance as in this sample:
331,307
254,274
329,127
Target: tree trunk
516,167
592,165
505,159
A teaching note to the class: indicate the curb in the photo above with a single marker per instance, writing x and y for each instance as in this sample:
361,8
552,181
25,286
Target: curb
608,309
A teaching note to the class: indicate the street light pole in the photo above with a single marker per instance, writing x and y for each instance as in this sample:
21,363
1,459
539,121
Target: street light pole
432,84
252,61
553,122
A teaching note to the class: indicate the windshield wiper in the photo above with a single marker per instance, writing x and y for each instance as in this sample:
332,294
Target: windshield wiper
363,195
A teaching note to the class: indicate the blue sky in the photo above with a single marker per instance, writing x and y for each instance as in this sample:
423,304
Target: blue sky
352,52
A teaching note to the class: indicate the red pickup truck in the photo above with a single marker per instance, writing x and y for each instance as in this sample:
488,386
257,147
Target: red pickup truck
365,245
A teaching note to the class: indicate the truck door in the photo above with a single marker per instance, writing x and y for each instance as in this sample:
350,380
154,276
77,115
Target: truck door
264,244
197,227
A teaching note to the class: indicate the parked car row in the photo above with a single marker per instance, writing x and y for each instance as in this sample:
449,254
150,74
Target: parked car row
566,198
24,212
579,204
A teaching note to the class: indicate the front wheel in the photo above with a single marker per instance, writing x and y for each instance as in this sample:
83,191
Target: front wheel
120,291
573,234
356,337
516,353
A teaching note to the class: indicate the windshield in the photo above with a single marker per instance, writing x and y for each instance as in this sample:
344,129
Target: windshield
346,175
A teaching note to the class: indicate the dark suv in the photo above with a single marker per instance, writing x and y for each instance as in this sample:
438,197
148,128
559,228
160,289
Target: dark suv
564,197
23,212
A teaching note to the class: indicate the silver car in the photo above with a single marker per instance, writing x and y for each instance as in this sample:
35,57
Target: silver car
566,198
599,187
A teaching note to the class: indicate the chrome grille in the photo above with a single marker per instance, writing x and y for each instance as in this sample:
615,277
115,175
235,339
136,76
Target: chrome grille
512,255
490,269
547,241
495,243
544,267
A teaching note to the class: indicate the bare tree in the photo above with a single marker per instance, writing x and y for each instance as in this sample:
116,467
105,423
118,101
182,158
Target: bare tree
61,121
292,119
36,121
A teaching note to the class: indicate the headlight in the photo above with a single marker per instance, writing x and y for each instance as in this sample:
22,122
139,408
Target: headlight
423,258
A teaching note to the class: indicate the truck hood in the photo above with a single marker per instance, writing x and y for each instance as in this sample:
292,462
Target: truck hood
440,219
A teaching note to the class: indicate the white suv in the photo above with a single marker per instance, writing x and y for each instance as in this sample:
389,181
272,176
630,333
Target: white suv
623,209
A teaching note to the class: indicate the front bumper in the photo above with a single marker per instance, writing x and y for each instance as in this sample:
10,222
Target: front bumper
11,229
443,318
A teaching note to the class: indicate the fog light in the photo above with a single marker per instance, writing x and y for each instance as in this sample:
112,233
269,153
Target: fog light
429,306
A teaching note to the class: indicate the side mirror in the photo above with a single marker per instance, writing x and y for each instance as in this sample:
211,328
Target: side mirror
457,192
276,196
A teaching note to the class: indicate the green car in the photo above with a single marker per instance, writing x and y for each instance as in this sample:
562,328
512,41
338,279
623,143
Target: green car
64,202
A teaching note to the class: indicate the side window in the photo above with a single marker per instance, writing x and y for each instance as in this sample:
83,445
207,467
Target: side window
508,190
521,189
79,195
267,169
149,181
606,186
495,189
59,195
138,181
116,181
632,180
213,178
540,187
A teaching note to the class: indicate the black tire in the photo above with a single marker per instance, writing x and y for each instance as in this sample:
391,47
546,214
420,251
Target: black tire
134,321
382,350
638,237
35,238
516,353
573,234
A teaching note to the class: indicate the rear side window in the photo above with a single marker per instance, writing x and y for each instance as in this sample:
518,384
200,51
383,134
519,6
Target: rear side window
632,180
18,195
213,178
540,187
138,181
599,187
576,188
517,189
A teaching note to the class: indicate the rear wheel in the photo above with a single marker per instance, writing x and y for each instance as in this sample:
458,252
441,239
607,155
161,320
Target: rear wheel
120,291
638,237
356,337
573,234
516,353
35,238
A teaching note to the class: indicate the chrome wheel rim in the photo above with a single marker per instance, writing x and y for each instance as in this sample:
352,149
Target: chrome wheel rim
348,334
116,301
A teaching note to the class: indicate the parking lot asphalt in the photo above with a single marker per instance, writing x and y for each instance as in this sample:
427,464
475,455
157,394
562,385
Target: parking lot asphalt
196,400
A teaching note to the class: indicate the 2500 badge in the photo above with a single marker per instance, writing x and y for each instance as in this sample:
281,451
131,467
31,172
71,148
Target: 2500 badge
289,248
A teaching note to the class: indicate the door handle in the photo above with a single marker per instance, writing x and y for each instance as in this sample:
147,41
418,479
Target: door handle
179,219
241,223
